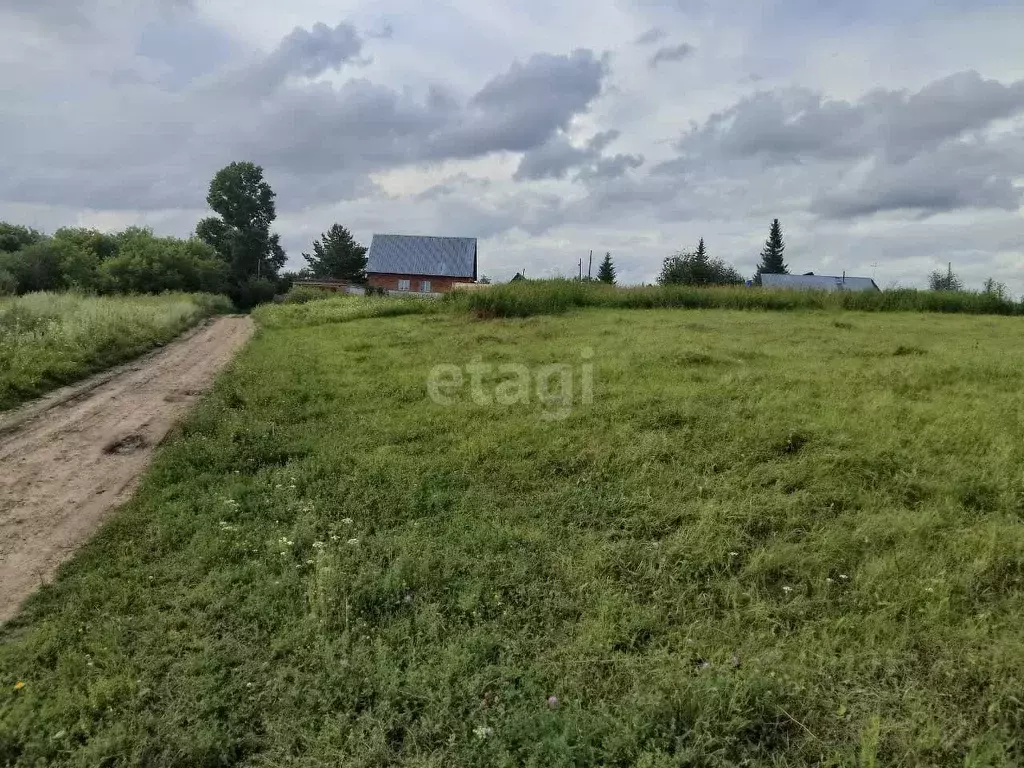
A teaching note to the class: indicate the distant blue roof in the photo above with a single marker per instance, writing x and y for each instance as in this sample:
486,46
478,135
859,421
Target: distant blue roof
819,282
419,255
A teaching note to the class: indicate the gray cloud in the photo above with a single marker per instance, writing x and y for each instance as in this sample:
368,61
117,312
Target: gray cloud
955,176
524,107
557,157
670,53
794,125
610,167
313,137
651,36
923,152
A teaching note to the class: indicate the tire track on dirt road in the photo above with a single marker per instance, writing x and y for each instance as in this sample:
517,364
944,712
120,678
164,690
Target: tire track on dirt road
67,461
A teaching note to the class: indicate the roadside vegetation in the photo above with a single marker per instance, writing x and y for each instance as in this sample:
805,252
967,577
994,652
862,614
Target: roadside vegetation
50,339
794,542
550,297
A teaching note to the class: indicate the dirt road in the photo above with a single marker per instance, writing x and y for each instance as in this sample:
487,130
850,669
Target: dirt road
68,460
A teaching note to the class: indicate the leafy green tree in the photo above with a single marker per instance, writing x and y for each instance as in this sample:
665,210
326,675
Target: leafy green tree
337,255
606,272
945,281
14,237
241,234
771,255
148,264
697,268
100,244
996,288
36,267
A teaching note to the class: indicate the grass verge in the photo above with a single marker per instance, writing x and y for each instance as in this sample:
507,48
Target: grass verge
50,339
770,540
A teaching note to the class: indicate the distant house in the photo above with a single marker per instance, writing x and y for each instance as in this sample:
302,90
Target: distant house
813,282
519,276
420,264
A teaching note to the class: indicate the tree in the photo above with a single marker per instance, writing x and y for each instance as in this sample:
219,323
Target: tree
945,281
606,272
697,268
14,237
484,280
996,288
242,236
337,255
771,254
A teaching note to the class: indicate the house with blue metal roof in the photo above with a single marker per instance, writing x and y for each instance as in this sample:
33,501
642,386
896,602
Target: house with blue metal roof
421,264
813,282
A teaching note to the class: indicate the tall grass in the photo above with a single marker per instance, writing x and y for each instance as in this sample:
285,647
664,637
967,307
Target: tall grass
50,339
340,309
555,296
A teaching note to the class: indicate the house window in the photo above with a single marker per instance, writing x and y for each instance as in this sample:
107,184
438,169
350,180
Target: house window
403,285
425,286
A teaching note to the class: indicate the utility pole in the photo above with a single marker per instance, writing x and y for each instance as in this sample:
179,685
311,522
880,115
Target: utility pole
581,270
590,265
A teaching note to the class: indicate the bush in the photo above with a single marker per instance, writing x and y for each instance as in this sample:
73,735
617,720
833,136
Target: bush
300,294
249,293
8,285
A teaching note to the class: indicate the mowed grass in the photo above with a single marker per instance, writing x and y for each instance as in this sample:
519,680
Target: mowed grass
772,539
50,339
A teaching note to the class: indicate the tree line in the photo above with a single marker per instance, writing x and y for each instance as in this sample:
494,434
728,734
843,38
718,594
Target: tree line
233,252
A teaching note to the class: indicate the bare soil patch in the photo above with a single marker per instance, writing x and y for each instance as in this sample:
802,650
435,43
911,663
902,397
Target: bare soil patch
66,461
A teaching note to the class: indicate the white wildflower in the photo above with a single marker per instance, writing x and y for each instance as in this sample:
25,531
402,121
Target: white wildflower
353,542
318,545
733,554
483,731
347,521
787,589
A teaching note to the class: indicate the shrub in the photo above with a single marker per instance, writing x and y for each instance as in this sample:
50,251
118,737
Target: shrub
300,294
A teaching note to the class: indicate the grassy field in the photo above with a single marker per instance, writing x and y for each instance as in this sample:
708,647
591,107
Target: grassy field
768,539
50,339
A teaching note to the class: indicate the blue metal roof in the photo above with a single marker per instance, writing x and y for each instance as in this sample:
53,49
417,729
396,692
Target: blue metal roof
419,255
819,282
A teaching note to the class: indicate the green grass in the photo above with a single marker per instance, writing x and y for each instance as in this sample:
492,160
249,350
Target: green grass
51,339
772,539
535,297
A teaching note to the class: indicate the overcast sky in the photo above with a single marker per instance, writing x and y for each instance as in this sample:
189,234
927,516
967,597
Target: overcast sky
887,136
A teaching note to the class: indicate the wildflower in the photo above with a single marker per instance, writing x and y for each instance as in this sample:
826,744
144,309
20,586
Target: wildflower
353,542
309,562
787,589
318,545
334,538
828,581
733,554
843,576
347,521
483,731
553,702
928,589
19,685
